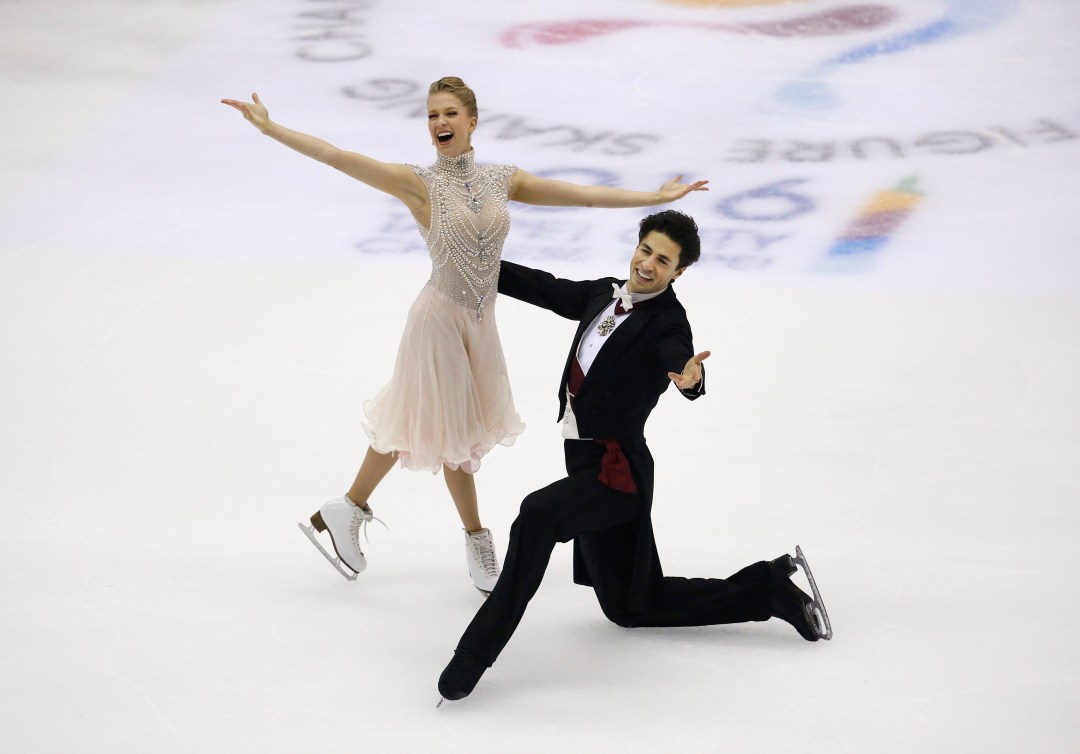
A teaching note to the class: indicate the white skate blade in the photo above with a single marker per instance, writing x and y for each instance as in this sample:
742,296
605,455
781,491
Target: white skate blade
821,615
343,569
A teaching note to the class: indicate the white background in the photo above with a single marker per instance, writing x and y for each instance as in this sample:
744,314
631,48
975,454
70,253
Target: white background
191,318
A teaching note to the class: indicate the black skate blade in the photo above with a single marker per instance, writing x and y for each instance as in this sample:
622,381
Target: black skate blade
821,616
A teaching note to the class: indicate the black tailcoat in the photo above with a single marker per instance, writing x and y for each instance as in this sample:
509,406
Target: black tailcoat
618,394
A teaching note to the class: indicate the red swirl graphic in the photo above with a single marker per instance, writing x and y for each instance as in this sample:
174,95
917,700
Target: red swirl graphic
826,23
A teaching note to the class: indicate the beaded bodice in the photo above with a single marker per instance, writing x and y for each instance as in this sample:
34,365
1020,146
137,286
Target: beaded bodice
469,223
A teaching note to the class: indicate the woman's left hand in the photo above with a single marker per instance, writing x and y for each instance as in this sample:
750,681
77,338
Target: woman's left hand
673,190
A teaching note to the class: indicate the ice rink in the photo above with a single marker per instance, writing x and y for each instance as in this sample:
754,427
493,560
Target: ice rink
191,317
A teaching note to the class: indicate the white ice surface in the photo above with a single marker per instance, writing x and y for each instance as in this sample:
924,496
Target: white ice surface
191,317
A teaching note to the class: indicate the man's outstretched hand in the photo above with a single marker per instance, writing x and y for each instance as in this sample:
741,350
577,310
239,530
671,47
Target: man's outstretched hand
691,373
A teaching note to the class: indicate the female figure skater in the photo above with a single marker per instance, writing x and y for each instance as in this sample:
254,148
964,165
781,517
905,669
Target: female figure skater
449,401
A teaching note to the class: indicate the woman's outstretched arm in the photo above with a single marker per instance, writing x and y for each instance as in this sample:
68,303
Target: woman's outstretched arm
397,180
531,189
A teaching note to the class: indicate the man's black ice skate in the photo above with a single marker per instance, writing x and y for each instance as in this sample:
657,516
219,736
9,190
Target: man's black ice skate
791,604
460,676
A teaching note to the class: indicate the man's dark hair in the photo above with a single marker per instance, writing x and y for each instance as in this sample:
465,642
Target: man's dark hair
679,228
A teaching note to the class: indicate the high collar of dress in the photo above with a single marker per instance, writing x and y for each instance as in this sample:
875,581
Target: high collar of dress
459,166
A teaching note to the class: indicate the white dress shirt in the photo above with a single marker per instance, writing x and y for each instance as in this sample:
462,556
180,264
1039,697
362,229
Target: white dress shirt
589,346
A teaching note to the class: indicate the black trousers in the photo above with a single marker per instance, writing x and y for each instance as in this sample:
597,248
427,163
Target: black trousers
580,507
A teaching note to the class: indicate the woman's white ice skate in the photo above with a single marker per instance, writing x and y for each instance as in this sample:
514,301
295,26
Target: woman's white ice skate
341,519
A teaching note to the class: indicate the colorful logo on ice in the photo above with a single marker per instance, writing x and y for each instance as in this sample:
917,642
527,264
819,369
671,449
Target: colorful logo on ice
872,228
962,17
729,3
832,22
810,89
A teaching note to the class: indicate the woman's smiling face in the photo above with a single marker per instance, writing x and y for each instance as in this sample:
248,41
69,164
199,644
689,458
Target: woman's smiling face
449,124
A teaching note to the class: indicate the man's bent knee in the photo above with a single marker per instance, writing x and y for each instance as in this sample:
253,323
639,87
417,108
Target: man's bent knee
620,617
536,507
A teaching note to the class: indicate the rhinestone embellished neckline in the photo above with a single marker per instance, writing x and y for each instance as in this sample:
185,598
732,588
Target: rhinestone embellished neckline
469,223
462,167
462,173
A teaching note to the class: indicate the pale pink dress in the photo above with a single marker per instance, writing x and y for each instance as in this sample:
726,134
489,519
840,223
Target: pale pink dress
449,401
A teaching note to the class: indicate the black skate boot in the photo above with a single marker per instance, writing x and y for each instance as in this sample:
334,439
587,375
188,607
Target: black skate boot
792,605
461,675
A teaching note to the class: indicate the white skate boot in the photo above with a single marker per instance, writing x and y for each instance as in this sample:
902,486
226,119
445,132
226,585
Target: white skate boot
482,561
341,518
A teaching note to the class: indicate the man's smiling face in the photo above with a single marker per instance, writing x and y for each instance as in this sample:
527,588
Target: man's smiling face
654,265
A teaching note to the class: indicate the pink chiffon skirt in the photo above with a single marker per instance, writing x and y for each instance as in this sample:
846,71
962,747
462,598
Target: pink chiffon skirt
449,401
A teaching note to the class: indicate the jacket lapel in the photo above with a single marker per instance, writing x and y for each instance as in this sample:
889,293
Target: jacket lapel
597,305
617,343
623,337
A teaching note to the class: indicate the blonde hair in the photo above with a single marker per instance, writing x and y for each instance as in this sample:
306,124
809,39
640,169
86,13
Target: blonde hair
455,86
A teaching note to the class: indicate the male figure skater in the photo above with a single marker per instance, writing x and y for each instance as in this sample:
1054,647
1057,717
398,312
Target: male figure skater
632,340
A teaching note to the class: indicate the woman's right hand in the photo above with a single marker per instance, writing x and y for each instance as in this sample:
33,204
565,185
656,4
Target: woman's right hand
254,113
